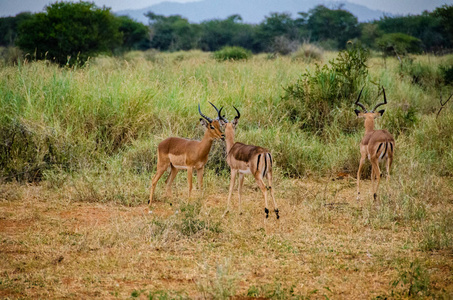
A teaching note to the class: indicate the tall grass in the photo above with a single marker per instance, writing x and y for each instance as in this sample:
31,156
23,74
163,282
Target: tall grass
113,109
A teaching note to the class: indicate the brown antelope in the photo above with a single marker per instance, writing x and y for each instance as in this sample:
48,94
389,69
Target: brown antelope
377,145
180,153
247,159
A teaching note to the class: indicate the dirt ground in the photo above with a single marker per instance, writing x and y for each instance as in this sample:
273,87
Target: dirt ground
325,245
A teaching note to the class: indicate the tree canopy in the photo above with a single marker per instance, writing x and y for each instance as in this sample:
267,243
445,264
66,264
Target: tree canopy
70,32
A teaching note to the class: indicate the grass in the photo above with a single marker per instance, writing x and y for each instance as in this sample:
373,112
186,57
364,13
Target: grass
78,151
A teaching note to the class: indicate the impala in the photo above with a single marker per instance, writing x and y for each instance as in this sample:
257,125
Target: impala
377,145
247,159
180,153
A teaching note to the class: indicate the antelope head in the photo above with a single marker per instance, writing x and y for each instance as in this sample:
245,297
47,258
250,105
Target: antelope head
367,114
212,126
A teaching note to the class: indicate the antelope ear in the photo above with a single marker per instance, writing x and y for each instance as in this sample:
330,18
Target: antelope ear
357,112
203,122
381,112
235,122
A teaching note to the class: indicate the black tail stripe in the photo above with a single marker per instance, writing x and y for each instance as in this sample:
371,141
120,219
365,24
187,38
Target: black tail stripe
378,148
265,165
258,162
270,159
391,147
385,150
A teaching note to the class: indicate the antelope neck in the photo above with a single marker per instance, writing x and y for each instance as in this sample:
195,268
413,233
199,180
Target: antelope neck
369,124
206,143
229,137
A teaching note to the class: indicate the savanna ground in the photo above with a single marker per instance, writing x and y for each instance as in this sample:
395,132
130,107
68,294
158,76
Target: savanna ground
79,226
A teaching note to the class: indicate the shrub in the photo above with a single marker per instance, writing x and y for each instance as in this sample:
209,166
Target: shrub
308,53
399,44
421,74
311,100
232,53
447,74
69,32
284,46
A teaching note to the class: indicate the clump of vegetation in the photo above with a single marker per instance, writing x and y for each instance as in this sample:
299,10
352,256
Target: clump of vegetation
447,74
232,53
394,44
308,53
312,100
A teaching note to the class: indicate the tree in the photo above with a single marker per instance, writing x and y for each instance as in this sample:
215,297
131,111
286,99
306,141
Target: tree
327,24
135,34
425,27
445,14
70,33
172,33
216,34
398,44
274,28
8,28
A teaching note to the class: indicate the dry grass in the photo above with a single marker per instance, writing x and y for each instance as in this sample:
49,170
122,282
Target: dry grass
325,244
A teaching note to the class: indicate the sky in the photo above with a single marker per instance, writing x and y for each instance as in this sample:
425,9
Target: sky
396,7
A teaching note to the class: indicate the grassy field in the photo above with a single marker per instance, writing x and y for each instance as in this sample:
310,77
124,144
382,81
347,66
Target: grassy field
78,150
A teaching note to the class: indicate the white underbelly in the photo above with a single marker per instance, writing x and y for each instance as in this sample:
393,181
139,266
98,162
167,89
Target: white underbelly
180,167
246,171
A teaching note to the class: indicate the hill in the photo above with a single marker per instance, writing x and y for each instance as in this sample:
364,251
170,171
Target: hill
251,11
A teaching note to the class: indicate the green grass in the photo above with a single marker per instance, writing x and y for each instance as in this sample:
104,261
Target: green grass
76,143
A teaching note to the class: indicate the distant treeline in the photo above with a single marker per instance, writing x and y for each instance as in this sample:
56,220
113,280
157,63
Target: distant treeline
68,31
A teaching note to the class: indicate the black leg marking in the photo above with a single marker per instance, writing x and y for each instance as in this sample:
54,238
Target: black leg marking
148,201
378,148
267,212
276,212
385,150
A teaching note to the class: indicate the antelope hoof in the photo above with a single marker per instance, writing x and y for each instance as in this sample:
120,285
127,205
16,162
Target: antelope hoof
267,212
276,212
374,196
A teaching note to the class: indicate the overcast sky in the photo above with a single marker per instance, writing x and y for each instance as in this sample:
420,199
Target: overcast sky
13,7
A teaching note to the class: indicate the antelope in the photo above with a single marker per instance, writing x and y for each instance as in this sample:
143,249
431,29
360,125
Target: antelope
180,153
247,159
377,145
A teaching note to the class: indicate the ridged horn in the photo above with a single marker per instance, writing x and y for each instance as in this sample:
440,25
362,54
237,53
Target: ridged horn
382,103
201,114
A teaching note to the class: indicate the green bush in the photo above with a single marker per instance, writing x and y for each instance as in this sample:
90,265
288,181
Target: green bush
398,44
308,53
447,74
232,53
312,100
69,33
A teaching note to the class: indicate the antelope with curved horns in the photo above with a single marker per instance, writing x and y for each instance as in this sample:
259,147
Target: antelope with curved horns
377,145
180,153
247,159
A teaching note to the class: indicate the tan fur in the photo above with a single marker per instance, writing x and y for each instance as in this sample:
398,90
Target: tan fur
243,159
180,153
374,144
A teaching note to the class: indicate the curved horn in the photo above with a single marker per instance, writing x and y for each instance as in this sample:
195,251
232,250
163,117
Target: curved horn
219,115
358,103
239,114
201,114
382,103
